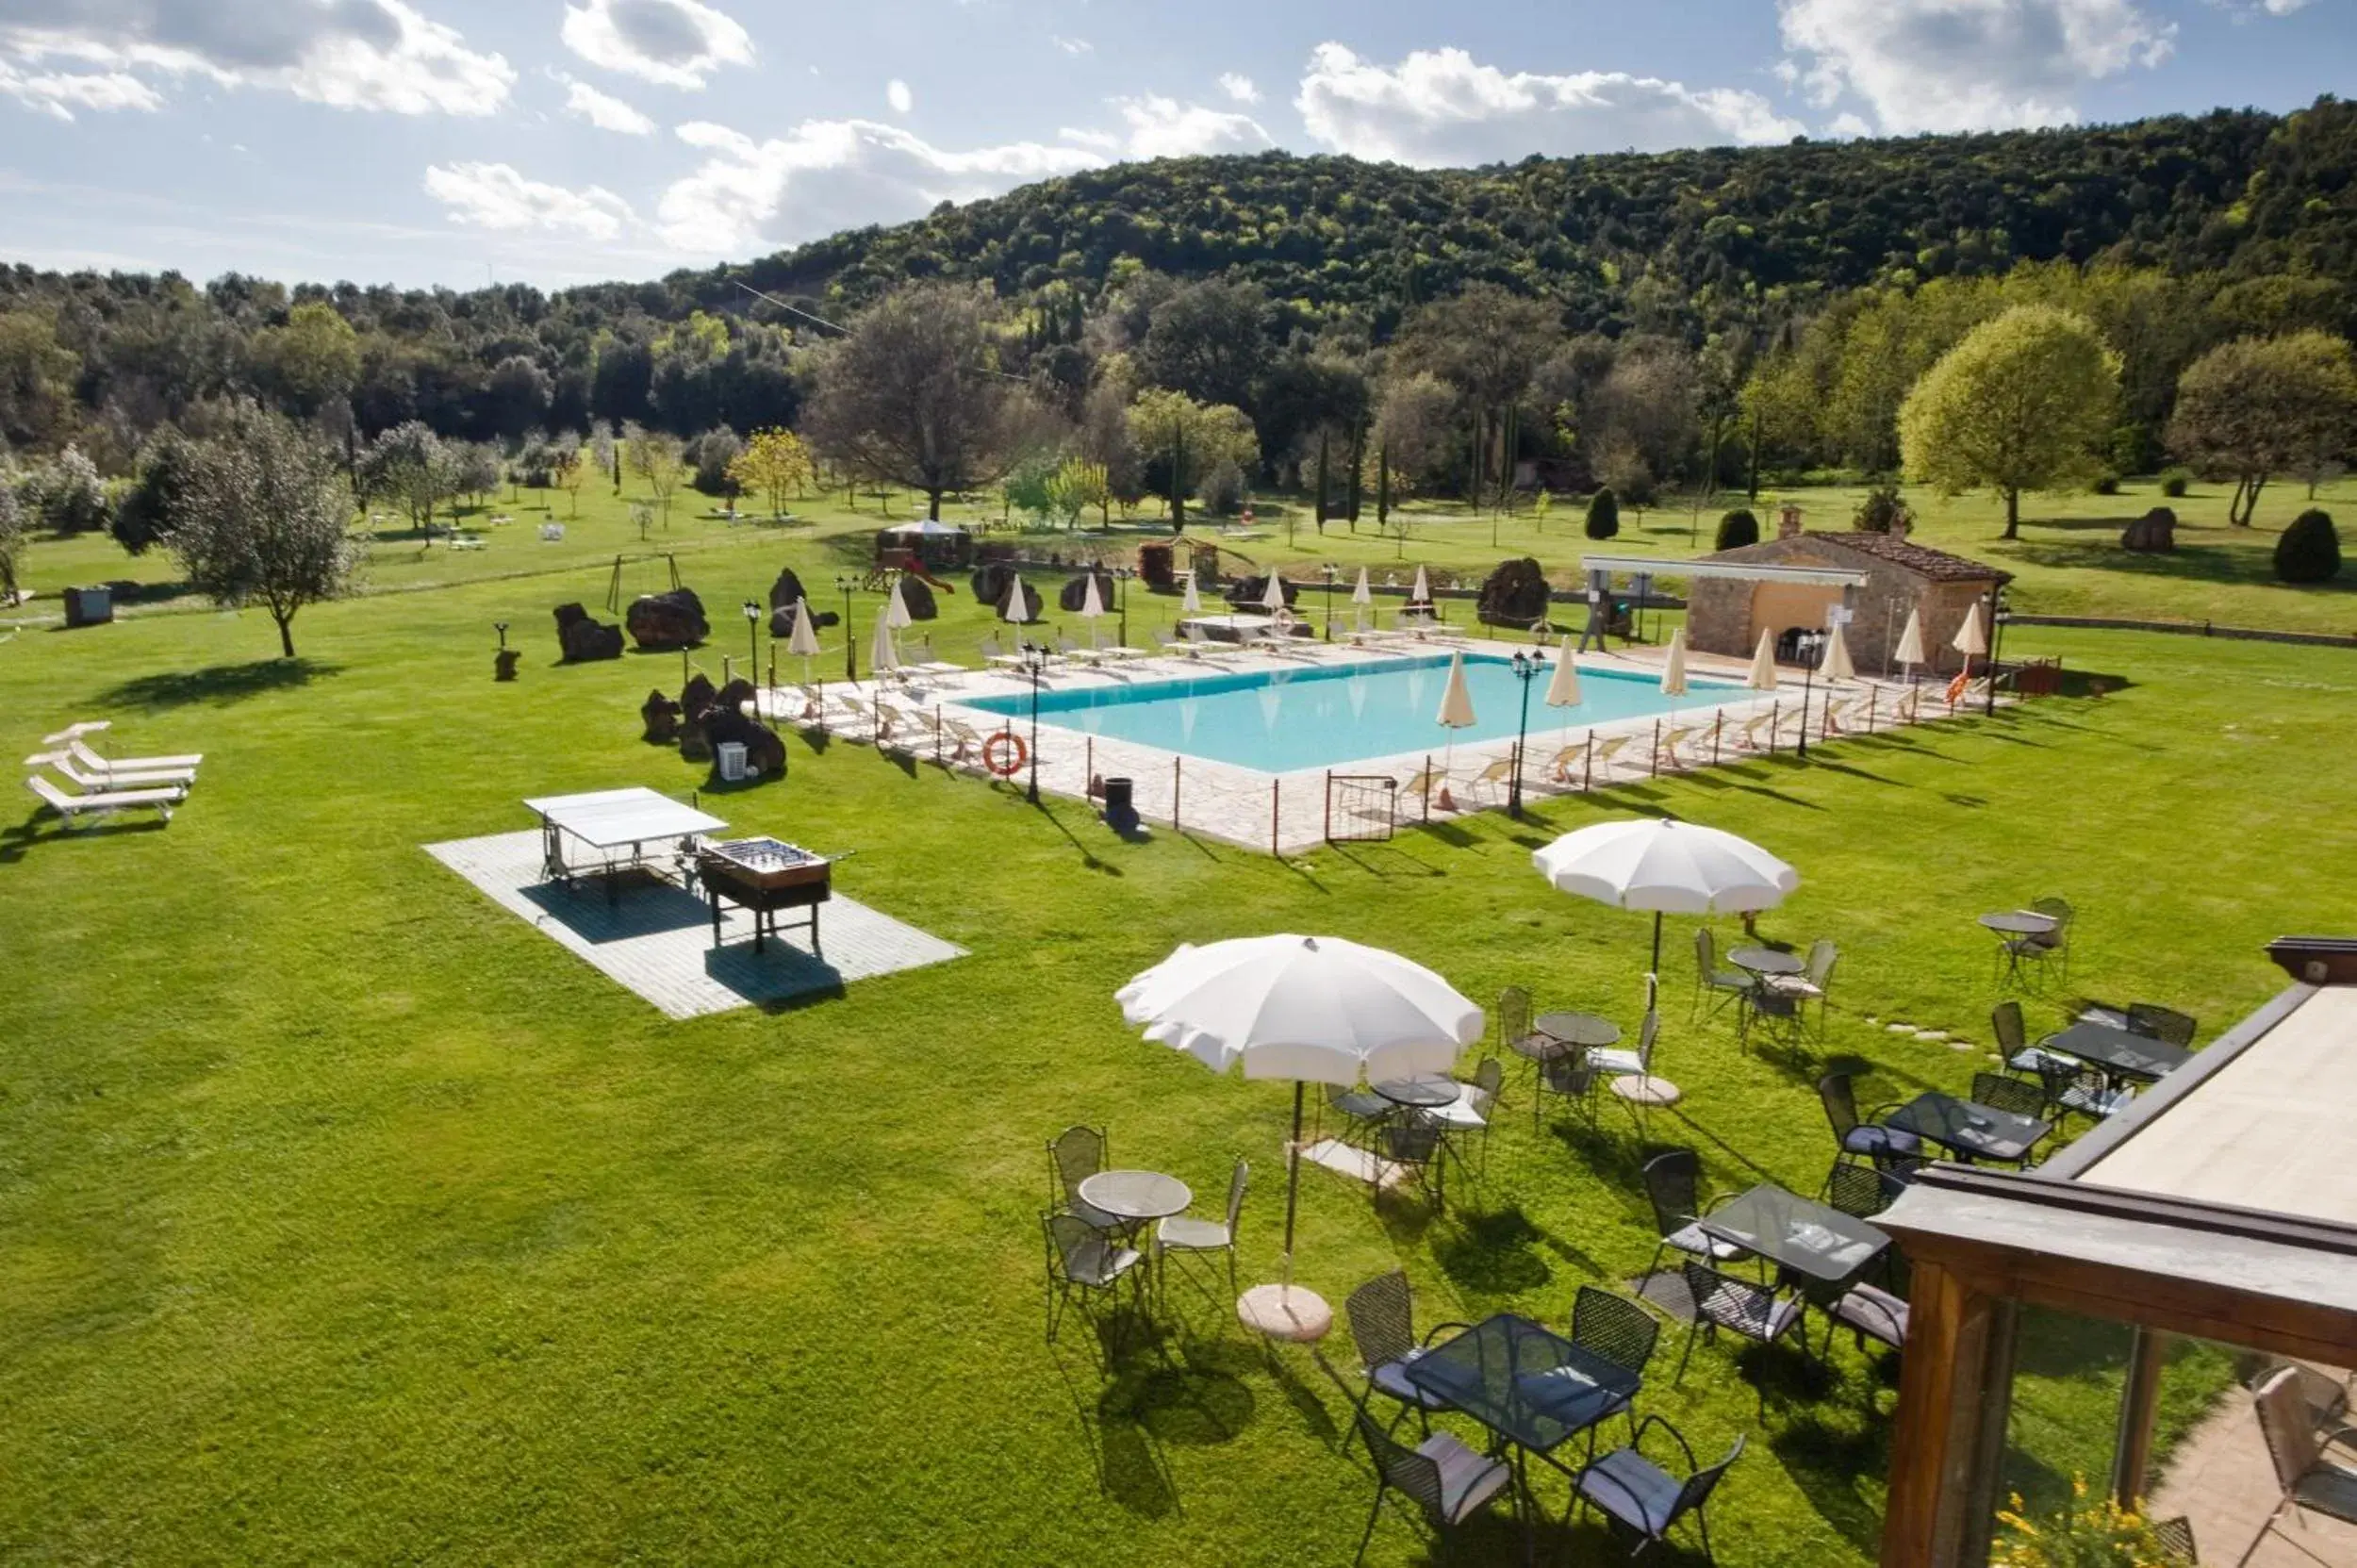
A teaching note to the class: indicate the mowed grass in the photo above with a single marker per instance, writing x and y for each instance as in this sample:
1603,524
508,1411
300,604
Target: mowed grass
344,1215
2068,560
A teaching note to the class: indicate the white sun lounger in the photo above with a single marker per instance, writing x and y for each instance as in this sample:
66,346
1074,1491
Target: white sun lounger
70,738
97,783
74,807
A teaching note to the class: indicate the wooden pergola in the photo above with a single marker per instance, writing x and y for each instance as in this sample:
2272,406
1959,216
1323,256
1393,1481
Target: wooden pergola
2221,1205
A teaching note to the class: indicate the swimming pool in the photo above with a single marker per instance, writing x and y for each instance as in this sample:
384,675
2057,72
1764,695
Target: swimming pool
1278,720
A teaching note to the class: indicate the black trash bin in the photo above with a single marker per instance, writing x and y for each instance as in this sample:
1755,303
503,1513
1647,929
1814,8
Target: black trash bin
1121,812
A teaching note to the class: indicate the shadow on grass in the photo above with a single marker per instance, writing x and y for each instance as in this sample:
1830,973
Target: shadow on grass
218,685
1495,1253
40,828
1384,861
1829,1465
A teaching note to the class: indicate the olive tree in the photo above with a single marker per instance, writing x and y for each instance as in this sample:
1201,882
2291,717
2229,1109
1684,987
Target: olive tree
2258,406
2021,403
261,519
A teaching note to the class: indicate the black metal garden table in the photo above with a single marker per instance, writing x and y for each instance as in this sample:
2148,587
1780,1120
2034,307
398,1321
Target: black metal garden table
2120,1052
1529,1386
1967,1129
1817,1245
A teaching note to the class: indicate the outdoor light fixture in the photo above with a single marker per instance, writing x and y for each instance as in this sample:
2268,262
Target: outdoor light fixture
1330,571
752,632
1035,665
1997,615
501,627
1121,596
851,643
1527,667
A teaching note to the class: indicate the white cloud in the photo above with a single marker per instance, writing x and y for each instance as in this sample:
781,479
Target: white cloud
829,174
57,94
1440,107
1164,128
897,95
1953,65
603,110
1846,124
1239,86
1071,45
1103,141
346,54
672,42
495,196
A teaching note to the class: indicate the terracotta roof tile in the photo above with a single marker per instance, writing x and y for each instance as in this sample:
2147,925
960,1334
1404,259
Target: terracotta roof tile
1937,564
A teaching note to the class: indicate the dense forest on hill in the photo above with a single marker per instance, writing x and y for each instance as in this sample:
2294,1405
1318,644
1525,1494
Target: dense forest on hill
1691,271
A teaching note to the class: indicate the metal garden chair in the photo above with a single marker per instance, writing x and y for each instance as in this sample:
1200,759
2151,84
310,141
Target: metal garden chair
1084,1264
1618,1330
1362,1111
1645,1500
1074,1155
1415,1148
1569,1076
2312,1479
1673,1186
1447,1481
1382,1319
1865,1136
1757,1312
1710,978
2165,1023
1184,1235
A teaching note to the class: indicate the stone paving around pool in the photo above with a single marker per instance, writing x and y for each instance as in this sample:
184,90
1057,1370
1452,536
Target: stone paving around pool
924,716
656,938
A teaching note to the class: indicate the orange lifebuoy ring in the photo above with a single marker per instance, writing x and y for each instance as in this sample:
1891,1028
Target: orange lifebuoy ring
1956,688
1004,754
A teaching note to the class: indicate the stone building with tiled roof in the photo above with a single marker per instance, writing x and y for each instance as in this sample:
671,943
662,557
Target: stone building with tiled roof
1726,615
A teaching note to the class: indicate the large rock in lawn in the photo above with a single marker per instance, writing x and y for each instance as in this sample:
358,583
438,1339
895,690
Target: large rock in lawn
660,716
2154,533
727,720
1245,592
580,638
990,584
917,595
696,700
788,589
1075,592
668,620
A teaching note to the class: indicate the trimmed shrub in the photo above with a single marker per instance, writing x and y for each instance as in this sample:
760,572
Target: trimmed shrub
1736,530
1878,511
1603,515
2175,483
2107,485
2309,551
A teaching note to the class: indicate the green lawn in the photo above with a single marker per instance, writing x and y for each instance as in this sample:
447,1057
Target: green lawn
344,1215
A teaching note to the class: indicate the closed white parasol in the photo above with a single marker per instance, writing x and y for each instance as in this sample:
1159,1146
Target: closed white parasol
883,655
1563,689
1673,666
1361,598
1193,602
1911,643
1668,868
1422,592
1971,638
1836,665
1763,673
897,609
1018,607
1273,594
803,640
1457,713
1312,1009
1092,605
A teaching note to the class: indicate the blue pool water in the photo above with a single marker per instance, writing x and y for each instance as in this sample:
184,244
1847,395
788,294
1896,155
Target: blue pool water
1283,719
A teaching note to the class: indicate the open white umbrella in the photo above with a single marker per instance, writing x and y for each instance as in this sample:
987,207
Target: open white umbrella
1312,1009
803,639
895,612
1911,643
1668,868
1018,610
1763,673
1193,602
1361,599
1836,665
1673,667
883,655
1457,713
1092,605
1563,689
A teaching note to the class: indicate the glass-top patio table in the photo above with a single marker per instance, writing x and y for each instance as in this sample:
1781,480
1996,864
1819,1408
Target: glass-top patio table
2117,1050
1530,1386
1821,1246
1966,1128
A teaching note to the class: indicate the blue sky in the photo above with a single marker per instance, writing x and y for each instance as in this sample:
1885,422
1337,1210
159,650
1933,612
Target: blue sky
420,142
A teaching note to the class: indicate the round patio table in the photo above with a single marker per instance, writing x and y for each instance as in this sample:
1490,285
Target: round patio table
1564,1032
2016,922
1422,1092
1765,960
1135,1195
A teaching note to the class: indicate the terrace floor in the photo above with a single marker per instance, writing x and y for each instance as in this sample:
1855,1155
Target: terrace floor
2220,1478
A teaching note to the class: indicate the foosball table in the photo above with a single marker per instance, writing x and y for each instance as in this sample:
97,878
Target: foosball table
764,875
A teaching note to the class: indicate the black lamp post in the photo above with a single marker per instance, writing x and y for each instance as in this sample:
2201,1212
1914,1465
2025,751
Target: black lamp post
851,643
1808,675
1330,571
1121,599
752,633
1035,665
1527,667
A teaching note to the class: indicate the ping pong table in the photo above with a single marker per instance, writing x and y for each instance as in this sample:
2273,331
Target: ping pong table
618,831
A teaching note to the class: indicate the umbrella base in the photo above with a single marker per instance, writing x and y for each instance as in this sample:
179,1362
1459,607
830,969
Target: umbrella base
1646,1091
1288,1313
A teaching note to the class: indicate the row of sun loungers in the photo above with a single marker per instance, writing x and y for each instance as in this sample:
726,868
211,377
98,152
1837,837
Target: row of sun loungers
104,785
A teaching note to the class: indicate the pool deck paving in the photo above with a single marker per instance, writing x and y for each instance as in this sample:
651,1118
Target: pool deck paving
926,716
